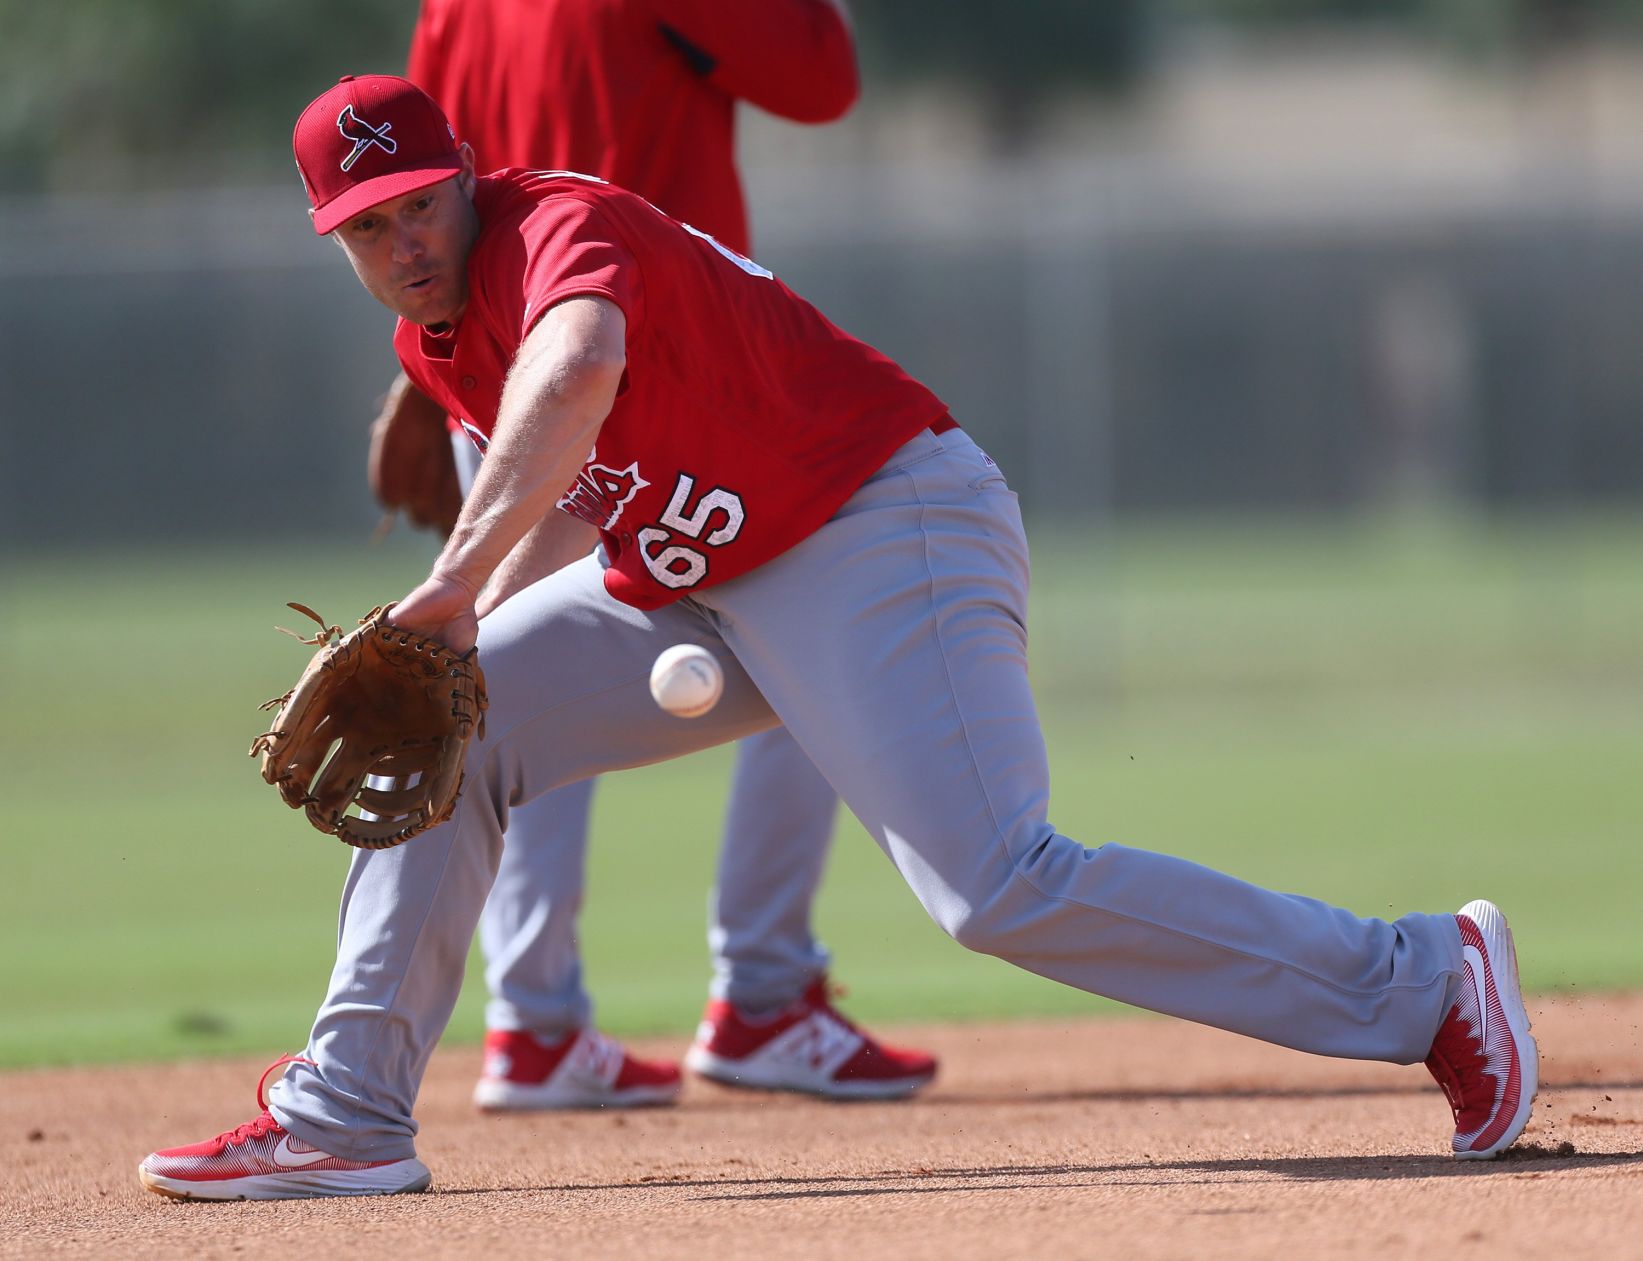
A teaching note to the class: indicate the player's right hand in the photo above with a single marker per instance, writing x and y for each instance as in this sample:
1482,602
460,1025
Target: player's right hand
410,466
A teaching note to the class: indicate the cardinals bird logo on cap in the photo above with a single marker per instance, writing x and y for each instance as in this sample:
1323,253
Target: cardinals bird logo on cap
355,128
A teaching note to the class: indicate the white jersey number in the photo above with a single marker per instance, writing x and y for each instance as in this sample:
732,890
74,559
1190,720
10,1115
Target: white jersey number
674,564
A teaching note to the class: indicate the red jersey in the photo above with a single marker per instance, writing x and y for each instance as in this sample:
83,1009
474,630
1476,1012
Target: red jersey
745,419
639,92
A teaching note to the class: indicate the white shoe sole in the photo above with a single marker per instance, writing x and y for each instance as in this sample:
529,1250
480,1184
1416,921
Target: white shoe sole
398,1178
493,1095
1502,960
751,1074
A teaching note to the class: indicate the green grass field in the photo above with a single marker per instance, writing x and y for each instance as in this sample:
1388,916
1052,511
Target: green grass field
1391,716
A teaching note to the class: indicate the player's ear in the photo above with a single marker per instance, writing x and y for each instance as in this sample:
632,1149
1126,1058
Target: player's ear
466,179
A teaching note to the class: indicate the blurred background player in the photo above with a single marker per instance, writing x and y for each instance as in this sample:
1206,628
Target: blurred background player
642,93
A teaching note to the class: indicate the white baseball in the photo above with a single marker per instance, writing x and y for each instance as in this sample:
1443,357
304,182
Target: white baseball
687,681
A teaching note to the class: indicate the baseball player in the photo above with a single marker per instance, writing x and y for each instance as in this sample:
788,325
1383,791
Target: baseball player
780,494
643,93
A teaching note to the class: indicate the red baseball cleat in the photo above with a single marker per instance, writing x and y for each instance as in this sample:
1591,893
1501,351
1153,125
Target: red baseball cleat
807,1047
580,1069
260,1160
1483,1055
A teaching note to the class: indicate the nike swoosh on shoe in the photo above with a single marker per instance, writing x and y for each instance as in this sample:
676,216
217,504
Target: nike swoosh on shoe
287,1157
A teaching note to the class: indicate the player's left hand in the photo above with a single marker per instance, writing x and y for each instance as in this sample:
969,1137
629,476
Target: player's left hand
443,609
380,702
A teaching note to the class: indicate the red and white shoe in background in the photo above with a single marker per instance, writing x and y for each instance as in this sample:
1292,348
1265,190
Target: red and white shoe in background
807,1047
260,1160
581,1069
1483,1055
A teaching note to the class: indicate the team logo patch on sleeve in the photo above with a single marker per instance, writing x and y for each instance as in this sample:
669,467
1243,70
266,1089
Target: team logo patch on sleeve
364,135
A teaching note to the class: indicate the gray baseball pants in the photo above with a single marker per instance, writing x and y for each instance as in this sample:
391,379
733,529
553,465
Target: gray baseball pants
892,644
777,831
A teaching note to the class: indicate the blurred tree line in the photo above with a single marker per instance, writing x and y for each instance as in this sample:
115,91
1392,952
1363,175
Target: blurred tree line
1470,28
127,93
96,93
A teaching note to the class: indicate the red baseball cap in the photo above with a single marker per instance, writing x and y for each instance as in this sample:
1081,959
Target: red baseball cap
371,138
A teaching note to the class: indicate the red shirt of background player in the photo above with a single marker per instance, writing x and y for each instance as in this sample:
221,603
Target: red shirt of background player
641,93
745,419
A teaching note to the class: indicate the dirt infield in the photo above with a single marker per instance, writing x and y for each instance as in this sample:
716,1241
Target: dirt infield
1113,1138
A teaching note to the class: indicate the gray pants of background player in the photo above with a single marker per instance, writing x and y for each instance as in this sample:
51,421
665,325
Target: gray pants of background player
776,835
892,644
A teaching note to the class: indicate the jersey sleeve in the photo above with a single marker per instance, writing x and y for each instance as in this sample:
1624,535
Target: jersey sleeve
564,248
794,58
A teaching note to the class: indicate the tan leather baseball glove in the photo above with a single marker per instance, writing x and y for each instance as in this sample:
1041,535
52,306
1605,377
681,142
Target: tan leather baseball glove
390,703
410,465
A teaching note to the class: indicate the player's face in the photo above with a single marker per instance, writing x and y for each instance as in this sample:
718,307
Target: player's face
411,253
